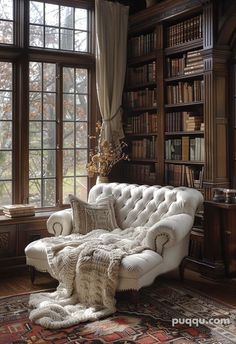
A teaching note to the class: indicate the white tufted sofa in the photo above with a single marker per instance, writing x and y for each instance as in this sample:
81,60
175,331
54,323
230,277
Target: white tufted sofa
170,209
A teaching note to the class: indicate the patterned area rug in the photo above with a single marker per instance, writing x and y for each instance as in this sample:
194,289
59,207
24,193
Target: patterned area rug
197,319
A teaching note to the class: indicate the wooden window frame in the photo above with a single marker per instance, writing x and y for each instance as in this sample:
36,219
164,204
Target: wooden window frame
20,54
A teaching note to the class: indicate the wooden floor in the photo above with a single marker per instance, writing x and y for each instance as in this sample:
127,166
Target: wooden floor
18,282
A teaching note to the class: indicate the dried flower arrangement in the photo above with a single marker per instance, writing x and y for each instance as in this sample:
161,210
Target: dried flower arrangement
104,156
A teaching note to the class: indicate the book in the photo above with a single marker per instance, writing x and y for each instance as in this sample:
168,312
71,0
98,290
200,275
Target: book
17,207
16,210
19,214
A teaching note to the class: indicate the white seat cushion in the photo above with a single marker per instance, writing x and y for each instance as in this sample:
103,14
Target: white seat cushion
132,267
137,265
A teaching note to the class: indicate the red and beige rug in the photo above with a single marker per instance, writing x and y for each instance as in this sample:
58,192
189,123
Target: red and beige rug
164,314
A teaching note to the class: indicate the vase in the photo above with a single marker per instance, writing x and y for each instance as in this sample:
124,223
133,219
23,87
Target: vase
102,179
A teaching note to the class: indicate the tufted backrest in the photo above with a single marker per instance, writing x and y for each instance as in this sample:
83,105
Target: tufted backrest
143,205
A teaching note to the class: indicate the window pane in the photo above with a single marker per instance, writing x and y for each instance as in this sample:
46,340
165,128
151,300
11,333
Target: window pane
68,162
5,135
35,163
81,135
49,77
5,131
49,135
49,193
75,131
6,9
68,80
42,136
6,32
81,107
5,165
67,17
68,188
68,107
35,76
49,106
68,135
81,19
35,135
81,162
51,38
82,187
81,41
51,14
49,163
36,36
5,105
5,76
35,106
35,192
66,39
5,193
81,80
36,12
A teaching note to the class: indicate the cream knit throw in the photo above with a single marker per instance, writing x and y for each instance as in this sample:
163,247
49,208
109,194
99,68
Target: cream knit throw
87,268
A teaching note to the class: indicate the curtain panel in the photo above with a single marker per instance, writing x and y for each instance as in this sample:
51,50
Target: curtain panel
111,21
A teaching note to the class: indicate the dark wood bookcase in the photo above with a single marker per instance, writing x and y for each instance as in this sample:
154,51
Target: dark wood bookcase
191,57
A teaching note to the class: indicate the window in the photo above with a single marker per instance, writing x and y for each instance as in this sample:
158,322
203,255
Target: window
45,102
58,27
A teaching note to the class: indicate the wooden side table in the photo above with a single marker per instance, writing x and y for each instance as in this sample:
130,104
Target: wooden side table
218,258
220,238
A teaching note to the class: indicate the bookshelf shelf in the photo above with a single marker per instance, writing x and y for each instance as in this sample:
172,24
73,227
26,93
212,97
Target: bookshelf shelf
180,48
140,86
143,161
182,162
143,109
140,134
181,105
183,133
134,61
184,77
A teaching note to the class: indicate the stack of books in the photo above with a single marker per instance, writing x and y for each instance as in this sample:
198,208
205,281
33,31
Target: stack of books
194,62
193,123
16,210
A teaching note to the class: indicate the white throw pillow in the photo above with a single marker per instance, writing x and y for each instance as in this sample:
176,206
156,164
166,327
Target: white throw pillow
89,216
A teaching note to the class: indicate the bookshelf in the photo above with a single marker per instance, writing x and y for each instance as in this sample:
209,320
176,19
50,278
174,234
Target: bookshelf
183,103
191,113
140,101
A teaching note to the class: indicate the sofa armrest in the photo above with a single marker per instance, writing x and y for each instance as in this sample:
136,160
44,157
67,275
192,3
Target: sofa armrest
169,231
60,223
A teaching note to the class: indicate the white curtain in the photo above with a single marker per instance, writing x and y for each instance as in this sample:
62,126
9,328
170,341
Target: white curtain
111,20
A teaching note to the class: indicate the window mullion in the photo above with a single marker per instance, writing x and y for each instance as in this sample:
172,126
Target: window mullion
59,133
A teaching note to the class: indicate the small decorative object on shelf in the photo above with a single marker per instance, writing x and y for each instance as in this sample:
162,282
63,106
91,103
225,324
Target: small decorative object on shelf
218,195
104,156
230,195
16,210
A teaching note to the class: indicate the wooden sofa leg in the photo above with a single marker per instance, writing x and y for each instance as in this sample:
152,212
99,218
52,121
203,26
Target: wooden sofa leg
32,274
181,270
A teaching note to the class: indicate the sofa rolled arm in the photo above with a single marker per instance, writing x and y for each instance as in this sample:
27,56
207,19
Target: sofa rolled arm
169,231
60,223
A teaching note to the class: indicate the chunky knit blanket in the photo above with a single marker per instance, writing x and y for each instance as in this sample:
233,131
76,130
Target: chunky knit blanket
87,268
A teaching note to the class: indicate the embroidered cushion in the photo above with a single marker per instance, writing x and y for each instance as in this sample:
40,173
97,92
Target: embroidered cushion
89,216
